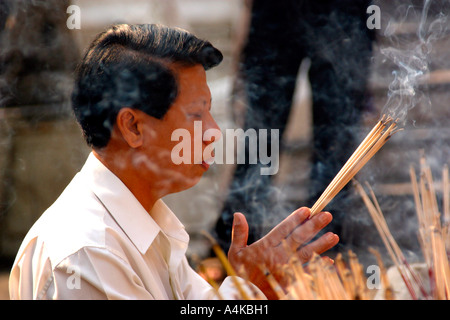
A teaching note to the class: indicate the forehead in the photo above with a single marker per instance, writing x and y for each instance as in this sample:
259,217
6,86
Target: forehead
192,83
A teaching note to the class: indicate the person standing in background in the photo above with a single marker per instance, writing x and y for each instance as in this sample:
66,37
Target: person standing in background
334,36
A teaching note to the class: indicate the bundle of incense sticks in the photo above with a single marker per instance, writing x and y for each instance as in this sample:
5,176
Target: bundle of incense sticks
373,142
320,279
433,233
323,280
408,274
433,227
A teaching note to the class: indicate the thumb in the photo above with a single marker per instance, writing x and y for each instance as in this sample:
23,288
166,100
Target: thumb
239,233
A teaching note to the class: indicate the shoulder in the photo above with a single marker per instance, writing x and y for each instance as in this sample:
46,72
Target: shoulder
77,219
76,230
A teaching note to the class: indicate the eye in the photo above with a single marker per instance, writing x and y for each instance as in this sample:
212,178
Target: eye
197,115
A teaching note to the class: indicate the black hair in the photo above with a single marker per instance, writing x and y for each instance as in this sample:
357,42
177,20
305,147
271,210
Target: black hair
129,66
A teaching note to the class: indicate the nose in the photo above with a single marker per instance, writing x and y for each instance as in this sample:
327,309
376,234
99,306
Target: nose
214,132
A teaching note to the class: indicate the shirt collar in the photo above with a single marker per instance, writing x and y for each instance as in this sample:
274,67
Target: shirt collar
140,226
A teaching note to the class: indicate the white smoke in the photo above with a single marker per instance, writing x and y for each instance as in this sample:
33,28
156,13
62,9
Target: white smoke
408,88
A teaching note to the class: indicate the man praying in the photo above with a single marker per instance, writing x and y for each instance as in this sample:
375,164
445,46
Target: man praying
110,227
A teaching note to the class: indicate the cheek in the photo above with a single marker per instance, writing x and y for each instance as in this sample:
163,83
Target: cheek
176,154
186,147
182,177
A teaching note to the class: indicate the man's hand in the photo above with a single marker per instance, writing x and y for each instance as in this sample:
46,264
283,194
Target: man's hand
270,252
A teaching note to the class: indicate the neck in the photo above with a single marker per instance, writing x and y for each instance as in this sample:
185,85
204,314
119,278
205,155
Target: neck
121,164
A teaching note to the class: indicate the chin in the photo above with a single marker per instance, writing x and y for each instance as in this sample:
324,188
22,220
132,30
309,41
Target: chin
185,183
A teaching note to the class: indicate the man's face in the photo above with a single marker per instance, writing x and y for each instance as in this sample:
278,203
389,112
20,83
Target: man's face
192,106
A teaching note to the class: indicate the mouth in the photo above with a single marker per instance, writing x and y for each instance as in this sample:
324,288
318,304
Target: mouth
207,163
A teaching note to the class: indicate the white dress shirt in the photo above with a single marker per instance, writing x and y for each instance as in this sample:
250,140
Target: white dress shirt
97,242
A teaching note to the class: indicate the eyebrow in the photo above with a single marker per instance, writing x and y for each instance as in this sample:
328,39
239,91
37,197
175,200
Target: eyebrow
202,103
205,102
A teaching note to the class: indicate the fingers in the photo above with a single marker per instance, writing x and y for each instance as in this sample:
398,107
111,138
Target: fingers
308,230
239,233
287,226
324,243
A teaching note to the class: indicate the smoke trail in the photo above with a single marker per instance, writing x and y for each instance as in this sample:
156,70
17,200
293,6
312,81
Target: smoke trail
409,85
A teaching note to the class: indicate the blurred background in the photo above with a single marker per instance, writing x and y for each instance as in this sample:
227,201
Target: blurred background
339,81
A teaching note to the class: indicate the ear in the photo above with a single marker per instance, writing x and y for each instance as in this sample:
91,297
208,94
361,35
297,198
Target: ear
128,123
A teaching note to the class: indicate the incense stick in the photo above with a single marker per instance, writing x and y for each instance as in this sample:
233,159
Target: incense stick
433,235
371,144
408,275
210,280
227,265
